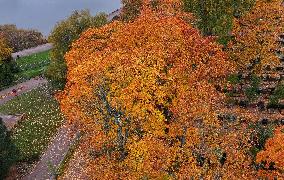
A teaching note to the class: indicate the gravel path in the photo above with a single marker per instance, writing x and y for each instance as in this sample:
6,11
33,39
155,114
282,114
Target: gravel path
7,94
53,155
38,49
10,120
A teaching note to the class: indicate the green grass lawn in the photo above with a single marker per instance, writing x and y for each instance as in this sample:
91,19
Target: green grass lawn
32,136
32,66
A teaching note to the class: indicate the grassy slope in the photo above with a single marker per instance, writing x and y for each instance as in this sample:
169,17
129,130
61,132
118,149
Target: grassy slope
32,66
33,135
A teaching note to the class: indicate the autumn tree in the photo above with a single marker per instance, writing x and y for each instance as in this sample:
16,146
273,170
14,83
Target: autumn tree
5,51
144,94
256,36
271,158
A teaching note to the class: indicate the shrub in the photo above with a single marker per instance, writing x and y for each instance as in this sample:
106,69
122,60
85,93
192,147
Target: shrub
7,151
62,36
7,66
56,72
19,39
234,79
252,92
215,17
7,70
277,95
131,9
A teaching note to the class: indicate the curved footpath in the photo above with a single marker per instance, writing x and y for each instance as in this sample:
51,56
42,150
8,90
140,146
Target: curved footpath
38,49
8,94
53,155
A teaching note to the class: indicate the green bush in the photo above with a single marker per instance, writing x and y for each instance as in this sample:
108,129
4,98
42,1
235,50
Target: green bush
277,95
62,36
131,9
56,72
19,39
8,69
7,73
259,136
215,17
234,79
8,151
7,66
252,92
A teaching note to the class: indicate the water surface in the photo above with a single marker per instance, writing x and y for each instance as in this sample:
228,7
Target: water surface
43,14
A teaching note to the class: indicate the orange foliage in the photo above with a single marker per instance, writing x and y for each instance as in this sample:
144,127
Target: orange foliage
5,51
137,88
143,93
273,155
132,8
256,35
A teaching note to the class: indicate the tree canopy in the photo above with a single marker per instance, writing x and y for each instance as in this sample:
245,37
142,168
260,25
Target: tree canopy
256,36
138,89
215,17
145,92
62,36
5,51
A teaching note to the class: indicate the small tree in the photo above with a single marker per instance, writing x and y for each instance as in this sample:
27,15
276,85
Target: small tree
277,95
62,36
